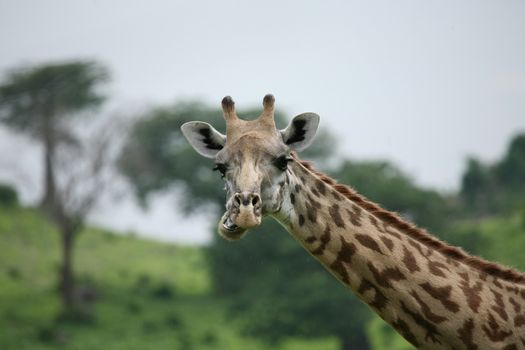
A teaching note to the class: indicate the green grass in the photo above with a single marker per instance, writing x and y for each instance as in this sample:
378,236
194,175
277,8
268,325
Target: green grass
154,295
150,295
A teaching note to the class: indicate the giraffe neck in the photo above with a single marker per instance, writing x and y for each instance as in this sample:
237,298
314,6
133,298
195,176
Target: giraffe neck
433,300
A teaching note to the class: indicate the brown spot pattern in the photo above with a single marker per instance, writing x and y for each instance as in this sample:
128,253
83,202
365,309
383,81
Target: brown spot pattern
515,305
343,257
336,216
355,215
519,321
380,300
387,242
301,219
465,334
510,347
418,247
441,294
320,187
456,255
493,330
431,330
325,238
384,277
436,268
368,242
426,309
292,198
311,208
409,260
374,222
337,196
311,213
403,329
313,202
499,308
391,232
310,239
471,291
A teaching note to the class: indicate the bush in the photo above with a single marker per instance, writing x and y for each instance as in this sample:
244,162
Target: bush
8,196
13,273
173,321
163,291
134,308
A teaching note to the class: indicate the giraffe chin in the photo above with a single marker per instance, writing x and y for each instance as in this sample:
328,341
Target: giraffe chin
235,226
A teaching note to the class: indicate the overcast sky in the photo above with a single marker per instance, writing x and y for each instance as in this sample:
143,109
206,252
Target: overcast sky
422,83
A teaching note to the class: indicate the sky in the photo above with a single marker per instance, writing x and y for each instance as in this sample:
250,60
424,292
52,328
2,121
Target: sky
421,83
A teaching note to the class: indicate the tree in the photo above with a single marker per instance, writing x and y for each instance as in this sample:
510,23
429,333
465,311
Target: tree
83,173
40,100
268,266
511,169
488,189
387,185
474,182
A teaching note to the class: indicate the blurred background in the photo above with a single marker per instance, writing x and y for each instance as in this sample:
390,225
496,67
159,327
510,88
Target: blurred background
107,216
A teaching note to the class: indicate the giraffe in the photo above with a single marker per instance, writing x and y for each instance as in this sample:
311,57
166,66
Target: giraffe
435,295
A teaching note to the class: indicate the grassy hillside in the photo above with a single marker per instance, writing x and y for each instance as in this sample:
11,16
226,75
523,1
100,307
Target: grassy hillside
153,295
149,295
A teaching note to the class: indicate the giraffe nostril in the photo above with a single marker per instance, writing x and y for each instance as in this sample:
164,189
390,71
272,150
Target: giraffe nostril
246,198
237,199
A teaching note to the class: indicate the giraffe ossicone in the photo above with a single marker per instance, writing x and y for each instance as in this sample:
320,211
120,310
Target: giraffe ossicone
435,295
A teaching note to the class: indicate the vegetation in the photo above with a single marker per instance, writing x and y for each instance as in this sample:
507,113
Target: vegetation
143,294
40,101
8,196
262,292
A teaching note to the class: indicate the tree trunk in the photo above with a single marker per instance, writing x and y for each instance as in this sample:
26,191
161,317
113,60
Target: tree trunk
48,200
66,268
357,341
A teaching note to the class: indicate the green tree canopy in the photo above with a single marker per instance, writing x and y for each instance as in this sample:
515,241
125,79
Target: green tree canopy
39,100
387,185
489,189
34,97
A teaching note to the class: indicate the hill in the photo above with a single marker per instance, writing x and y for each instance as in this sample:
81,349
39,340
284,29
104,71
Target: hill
147,295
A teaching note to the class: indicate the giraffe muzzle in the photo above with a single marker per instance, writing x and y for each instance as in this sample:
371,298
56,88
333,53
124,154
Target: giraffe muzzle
244,213
247,210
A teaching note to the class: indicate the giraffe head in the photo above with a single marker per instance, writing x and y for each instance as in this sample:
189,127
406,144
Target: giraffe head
252,158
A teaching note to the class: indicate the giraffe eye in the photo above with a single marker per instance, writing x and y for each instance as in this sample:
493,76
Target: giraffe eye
221,168
282,162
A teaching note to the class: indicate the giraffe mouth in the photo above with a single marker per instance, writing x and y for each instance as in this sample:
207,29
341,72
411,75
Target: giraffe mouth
229,229
242,215
229,225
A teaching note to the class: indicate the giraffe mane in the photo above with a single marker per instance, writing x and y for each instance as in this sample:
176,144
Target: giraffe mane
416,233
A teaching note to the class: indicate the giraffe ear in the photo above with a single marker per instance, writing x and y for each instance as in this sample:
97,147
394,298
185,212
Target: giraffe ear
301,131
204,138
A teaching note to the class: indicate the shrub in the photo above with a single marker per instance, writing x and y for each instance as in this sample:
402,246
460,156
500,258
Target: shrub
8,196
163,291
